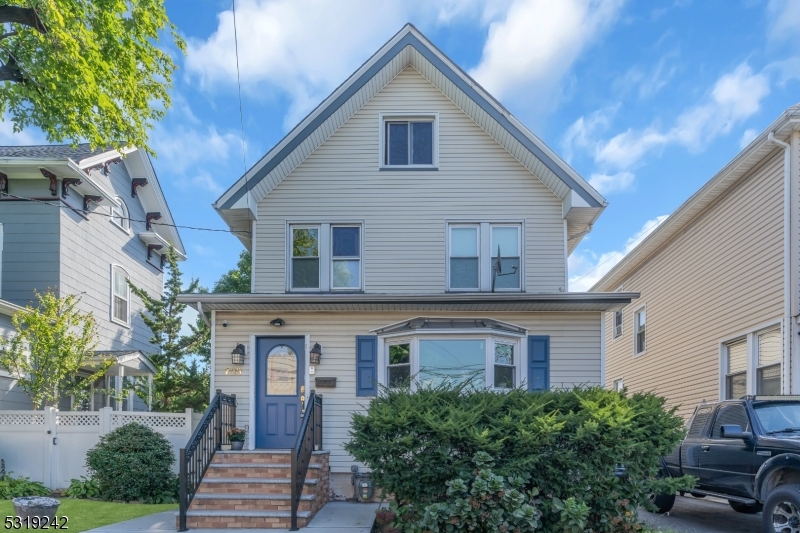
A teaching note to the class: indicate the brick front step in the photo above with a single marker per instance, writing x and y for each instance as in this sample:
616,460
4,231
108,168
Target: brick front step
252,486
243,519
250,502
257,470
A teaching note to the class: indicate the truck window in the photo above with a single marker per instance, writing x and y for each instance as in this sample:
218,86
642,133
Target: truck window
699,422
730,414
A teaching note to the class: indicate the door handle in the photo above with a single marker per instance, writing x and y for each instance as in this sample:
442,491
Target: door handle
302,400
706,448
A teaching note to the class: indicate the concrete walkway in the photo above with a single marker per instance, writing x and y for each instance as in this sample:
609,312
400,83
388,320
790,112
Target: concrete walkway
335,517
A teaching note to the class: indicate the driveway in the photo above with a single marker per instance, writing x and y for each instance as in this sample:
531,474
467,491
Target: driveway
703,515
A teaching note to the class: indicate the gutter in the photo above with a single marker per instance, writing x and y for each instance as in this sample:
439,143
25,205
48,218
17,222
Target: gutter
788,327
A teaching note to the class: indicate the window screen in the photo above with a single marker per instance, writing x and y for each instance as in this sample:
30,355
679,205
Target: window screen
699,422
768,378
730,414
617,323
736,379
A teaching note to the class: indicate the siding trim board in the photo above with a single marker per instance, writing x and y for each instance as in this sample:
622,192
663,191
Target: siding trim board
407,37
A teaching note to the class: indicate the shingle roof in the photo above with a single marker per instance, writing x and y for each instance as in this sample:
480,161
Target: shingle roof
52,151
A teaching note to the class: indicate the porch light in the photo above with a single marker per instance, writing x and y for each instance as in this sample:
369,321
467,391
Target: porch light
237,355
277,322
316,353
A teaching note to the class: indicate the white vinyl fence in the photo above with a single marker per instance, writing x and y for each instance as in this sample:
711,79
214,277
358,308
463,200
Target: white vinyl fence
50,446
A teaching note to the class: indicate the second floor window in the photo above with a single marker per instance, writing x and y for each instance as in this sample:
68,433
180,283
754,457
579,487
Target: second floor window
325,257
640,326
120,296
119,215
617,323
485,257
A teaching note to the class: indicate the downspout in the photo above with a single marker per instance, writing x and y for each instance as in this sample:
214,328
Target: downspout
788,328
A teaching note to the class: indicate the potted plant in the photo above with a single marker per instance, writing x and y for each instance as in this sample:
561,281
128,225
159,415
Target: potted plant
236,436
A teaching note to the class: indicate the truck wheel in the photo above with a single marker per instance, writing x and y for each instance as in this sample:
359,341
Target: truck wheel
745,508
663,502
782,509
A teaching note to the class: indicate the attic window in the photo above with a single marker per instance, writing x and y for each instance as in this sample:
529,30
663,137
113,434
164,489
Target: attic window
409,142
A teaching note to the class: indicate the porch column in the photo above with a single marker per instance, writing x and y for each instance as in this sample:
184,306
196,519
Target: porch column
131,394
118,388
150,393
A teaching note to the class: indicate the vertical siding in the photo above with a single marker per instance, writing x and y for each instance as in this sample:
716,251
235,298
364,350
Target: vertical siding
405,212
90,247
722,275
574,347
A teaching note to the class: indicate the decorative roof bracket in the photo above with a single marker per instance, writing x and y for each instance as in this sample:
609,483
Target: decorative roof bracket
150,248
53,180
89,198
66,183
135,183
103,166
163,260
155,215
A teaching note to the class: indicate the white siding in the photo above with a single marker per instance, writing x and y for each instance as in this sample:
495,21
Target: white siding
574,353
405,212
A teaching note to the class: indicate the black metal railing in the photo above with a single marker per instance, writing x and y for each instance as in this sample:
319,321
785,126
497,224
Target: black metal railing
308,441
209,436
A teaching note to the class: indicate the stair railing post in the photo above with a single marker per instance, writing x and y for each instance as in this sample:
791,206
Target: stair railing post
183,495
218,421
294,494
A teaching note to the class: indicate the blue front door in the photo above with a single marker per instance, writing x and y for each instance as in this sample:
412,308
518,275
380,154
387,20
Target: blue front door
280,372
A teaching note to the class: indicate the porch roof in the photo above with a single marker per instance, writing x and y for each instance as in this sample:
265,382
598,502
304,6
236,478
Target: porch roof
135,362
525,302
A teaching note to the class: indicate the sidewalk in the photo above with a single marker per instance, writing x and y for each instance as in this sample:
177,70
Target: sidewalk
335,517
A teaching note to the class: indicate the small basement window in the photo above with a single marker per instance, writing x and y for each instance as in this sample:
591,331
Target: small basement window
409,142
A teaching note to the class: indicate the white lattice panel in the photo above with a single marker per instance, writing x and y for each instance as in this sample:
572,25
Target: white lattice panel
78,419
151,421
21,419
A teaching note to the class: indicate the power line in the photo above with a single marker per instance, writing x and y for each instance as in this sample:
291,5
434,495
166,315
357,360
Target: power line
109,215
241,114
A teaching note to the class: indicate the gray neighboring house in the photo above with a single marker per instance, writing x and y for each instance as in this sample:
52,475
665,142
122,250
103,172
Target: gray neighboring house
82,221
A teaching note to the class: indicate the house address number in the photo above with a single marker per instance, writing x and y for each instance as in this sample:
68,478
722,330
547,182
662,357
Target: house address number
233,371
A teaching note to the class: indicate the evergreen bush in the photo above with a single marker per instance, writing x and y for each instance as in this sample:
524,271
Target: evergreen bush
133,462
567,445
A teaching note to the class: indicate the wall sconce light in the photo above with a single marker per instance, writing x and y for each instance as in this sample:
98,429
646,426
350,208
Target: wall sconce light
277,322
237,355
316,353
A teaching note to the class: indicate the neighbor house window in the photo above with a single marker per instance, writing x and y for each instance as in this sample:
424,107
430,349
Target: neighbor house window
736,375
399,365
409,142
768,374
120,216
325,257
618,385
640,326
617,323
484,257
120,296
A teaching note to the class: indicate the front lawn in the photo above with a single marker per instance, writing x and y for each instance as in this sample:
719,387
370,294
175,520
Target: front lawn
89,514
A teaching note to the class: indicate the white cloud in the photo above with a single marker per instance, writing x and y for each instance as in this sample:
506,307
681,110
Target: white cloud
204,181
589,269
611,183
784,20
530,50
647,83
182,147
28,136
748,135
583,132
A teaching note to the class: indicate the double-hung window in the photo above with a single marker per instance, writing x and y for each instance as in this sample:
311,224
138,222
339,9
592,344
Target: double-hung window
736,374
324,257
639,331
484,257
752,364
409,141
120,296
119,215
768,374
618,323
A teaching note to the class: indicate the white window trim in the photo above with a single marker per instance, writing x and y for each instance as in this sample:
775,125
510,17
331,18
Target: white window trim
485,253
125,226
520,347
114,267
751,336
325,255
621,381
634,328
401,116
614,335
360,258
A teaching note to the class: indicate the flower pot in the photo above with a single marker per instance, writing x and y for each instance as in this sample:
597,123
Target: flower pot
41,506
237,444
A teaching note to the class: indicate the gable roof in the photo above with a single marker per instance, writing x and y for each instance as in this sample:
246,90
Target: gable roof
407,48
741,165
78,161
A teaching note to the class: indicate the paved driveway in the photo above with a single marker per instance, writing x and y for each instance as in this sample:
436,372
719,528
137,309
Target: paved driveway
701,515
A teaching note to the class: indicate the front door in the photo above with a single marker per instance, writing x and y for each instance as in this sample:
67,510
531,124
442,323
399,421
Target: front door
280,372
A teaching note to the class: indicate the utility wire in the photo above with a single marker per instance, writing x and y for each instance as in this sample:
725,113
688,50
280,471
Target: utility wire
241,114
110,215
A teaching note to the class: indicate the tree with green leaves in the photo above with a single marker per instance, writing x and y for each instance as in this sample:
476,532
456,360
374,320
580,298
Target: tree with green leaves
86,70
237,280
52,342
173,382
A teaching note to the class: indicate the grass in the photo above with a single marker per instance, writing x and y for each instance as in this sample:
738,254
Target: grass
89,514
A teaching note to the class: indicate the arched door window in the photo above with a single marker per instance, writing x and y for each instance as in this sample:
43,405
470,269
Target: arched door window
282,371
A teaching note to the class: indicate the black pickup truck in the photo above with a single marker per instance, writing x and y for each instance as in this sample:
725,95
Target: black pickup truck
746,451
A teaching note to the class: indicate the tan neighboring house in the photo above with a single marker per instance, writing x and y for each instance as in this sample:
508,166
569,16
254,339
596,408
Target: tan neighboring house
719,283
375,227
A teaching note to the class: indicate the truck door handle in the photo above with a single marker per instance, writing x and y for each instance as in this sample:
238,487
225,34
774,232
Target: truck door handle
706,448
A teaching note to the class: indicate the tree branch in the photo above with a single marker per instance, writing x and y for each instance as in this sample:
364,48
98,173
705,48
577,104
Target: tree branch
7,35
22,15
10,72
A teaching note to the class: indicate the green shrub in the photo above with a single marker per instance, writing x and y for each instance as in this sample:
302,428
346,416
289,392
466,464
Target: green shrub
82,488
565,444
133,462
17,487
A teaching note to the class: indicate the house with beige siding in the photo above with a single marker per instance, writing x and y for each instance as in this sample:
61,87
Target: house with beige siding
720,285
409,231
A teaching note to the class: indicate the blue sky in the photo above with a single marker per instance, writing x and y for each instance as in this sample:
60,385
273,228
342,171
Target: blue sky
647,100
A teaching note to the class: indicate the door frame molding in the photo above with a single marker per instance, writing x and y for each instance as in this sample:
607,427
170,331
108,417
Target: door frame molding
251,430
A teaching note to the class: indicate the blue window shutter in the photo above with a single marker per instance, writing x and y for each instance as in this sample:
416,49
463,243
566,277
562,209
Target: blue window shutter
366,365
538,362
